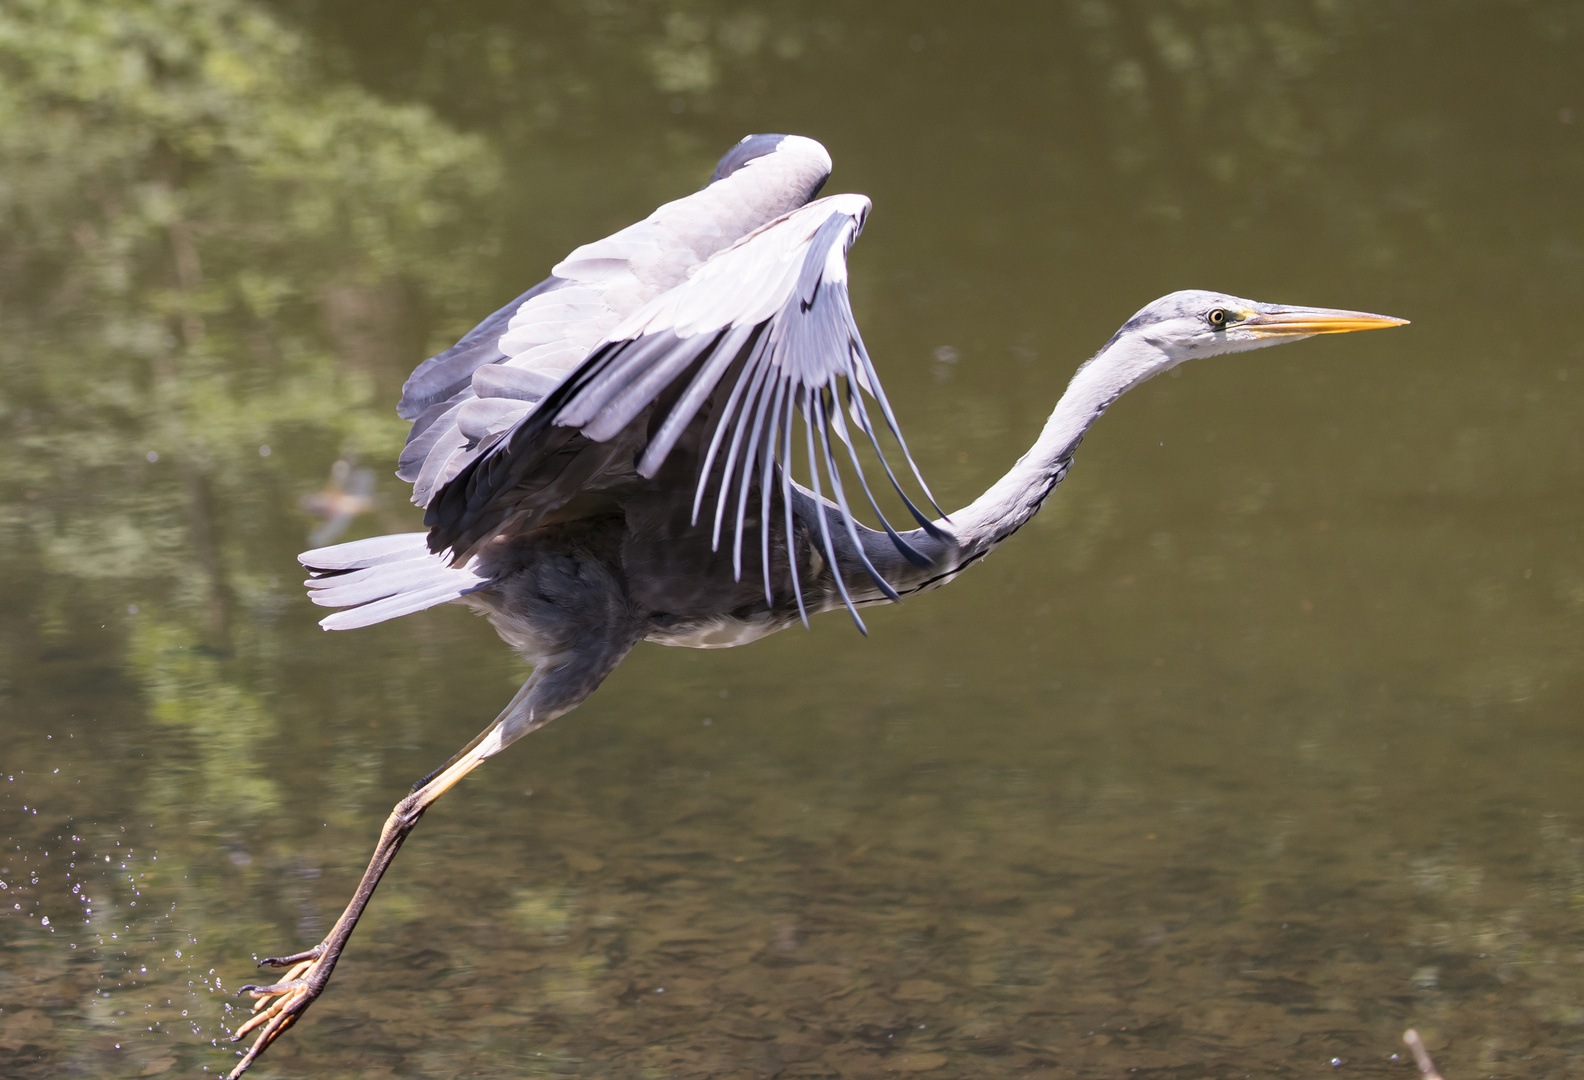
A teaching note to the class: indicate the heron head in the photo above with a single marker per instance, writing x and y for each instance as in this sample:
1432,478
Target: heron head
1193,323
809,163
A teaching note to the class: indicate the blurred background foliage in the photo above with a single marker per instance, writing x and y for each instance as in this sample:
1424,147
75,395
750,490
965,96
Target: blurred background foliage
213,261
211,253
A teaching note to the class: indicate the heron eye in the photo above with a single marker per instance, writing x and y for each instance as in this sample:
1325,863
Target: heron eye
1218,318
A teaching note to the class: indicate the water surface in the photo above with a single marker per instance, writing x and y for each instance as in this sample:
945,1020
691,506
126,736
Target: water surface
1258,746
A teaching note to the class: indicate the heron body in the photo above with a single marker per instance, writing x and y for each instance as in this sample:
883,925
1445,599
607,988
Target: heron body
650,445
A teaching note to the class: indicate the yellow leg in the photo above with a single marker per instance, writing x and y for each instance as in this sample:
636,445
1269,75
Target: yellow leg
555,688
281,1003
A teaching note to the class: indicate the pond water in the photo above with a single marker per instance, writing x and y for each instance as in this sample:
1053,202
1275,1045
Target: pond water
1260,745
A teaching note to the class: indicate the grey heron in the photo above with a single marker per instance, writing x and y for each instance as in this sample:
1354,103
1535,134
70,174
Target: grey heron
650,444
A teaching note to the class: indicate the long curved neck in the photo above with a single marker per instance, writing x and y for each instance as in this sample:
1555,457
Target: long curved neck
1126,361
972,532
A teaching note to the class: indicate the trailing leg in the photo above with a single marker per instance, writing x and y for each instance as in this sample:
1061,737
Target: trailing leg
282,1002
576,617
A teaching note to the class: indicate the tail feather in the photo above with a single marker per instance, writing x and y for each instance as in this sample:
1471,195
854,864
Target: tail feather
383,577
356,554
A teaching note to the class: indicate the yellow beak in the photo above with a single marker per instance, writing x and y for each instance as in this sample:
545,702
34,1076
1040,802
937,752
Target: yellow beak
1302,322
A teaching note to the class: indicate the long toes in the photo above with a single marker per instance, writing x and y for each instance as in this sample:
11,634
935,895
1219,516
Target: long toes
264,1017
295,973
280,992
295,958
274,1025
292,980
282,987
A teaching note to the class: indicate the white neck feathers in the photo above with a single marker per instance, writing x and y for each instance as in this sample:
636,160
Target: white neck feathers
1124,363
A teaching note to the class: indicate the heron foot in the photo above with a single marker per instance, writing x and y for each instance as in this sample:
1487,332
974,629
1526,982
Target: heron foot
282,1002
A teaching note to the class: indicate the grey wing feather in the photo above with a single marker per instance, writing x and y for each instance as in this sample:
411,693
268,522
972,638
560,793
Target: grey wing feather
440,377
483,416
523,384
437,423
773,316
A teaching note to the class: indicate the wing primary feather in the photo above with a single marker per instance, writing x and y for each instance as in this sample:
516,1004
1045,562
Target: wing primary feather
729,466
751,454
874,439
809,420
662,366
693,399
862,354
848,522
758,389
811,273
908,551
609,379
831,319
427,430
720,432
567,396
767,468
855,399
786,499
576,384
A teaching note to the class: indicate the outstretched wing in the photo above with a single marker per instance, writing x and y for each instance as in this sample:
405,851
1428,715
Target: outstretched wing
768,324
492,378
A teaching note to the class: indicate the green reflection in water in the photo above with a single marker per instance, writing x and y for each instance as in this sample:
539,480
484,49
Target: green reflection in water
1261,745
